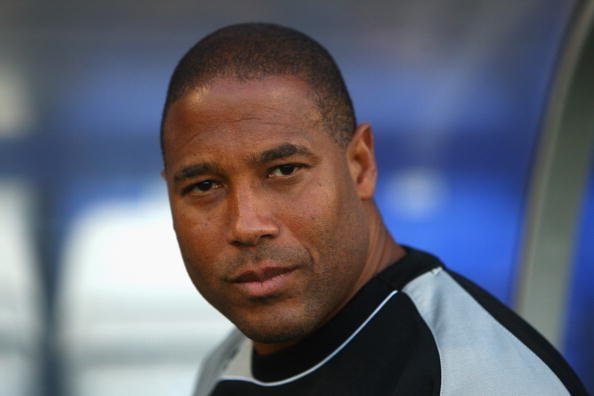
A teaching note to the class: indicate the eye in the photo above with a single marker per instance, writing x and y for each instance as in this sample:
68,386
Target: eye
284,170
205,185
201,187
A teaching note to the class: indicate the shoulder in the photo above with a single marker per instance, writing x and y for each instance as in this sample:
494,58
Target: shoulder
226,354
483,346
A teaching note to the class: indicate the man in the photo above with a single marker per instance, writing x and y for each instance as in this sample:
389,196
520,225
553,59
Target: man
271,187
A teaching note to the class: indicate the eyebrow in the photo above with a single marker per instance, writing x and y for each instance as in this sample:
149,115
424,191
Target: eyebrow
194,170
284,150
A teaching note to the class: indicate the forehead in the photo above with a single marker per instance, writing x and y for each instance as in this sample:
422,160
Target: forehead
228,114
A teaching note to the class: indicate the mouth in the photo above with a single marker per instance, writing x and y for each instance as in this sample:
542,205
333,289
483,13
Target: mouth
264,281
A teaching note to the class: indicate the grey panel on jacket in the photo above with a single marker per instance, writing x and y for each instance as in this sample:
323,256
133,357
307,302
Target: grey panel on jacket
217,362
478,355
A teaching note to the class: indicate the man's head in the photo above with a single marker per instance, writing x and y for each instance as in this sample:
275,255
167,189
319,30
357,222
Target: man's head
254,51
272,211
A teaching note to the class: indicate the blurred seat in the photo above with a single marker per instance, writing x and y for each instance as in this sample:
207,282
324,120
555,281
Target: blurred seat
19,294
130,320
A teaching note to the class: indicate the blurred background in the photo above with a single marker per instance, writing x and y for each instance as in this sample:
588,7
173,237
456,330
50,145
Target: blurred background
483,118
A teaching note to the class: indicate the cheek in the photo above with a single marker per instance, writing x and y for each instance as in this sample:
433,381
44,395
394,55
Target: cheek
338,226
315,217
200,254
198,237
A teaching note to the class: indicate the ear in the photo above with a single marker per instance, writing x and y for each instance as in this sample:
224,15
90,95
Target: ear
361,161
164,178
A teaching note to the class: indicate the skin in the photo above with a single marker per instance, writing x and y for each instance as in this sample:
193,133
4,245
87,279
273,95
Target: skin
275,221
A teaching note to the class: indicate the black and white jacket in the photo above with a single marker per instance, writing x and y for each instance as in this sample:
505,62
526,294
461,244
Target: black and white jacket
416,328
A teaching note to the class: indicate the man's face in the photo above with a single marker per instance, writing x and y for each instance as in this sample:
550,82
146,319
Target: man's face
269,218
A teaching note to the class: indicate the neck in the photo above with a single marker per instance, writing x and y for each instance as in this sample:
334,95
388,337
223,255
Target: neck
383,249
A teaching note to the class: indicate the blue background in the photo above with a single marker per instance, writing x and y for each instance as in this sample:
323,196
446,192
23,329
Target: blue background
455,93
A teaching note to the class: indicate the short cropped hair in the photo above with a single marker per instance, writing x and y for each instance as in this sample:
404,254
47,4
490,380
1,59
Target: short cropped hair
252,51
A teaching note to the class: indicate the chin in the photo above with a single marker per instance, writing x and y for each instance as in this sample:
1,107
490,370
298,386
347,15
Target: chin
275,329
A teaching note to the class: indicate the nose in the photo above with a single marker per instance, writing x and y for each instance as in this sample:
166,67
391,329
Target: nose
251,218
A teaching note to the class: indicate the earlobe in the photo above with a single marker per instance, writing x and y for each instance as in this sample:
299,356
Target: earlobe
361,159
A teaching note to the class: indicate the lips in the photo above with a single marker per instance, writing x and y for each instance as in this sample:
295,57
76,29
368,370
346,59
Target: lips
262,274
264,281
